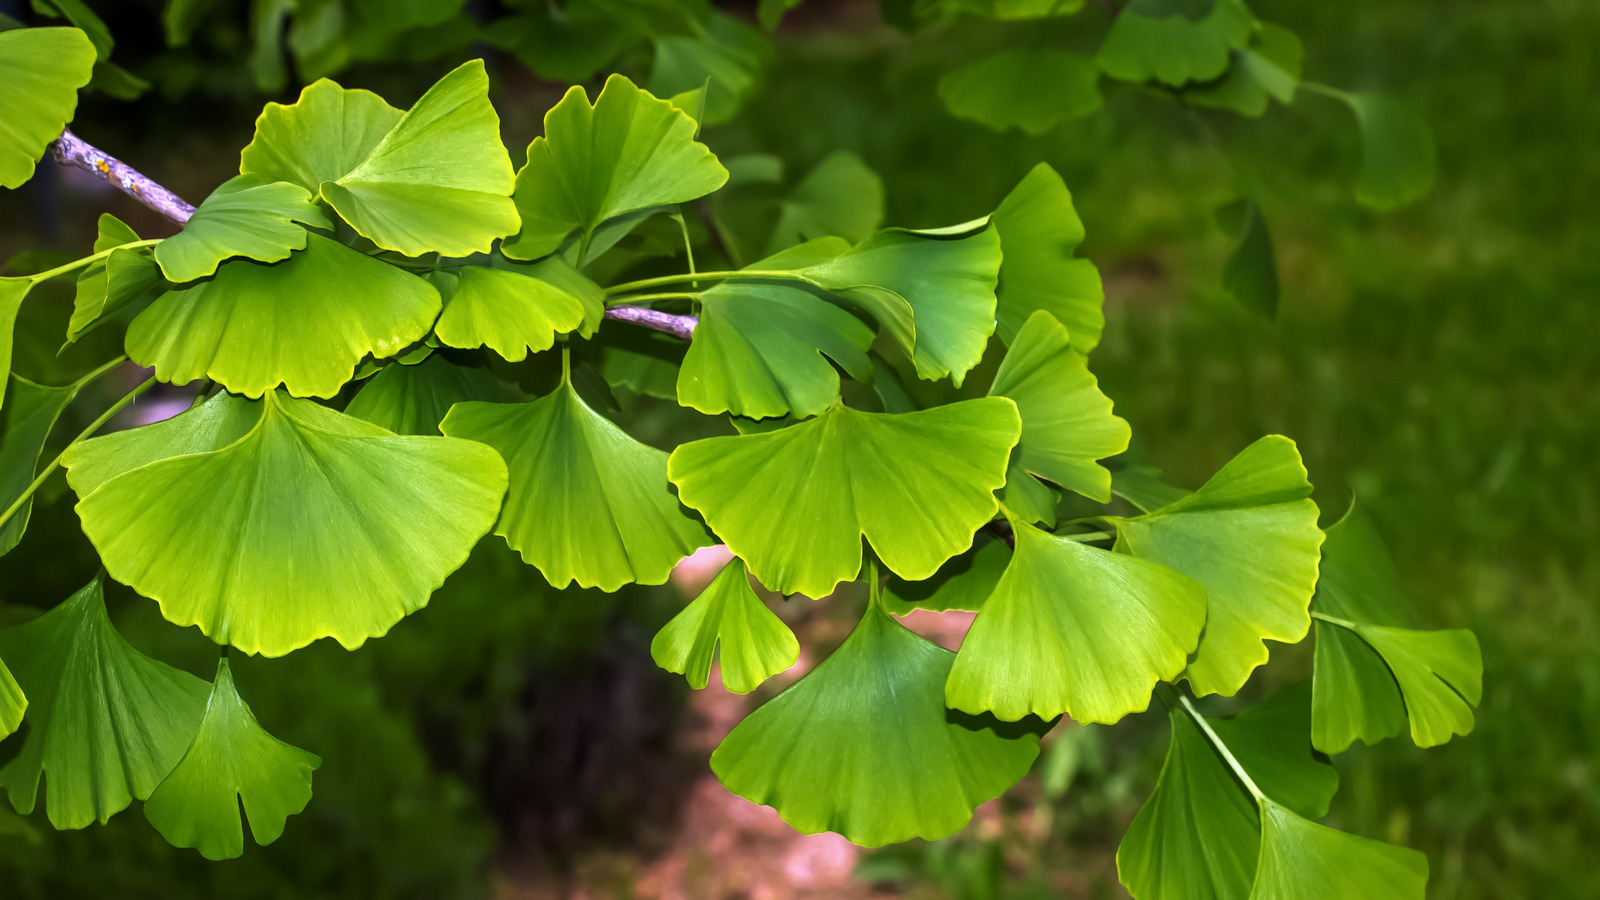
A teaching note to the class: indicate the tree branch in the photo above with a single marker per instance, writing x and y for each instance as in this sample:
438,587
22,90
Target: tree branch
71,150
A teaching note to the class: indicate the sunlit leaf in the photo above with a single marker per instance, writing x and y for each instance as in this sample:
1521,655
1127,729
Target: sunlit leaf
320,137
413,399
125,282
232,760
1251,272
1039,231
511,313
864,746
587,503
1174,49
105,722
41,70
211,425
1033,89
244,217
29,415
1301,860
374,522
841,196
628,152
965,581
1077,630
1268,68
795,503
303,323
1250,536
754,644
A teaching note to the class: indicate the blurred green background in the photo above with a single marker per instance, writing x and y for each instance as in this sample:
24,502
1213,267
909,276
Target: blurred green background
1438,361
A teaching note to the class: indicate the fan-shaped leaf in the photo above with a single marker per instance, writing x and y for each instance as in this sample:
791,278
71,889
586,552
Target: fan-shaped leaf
511,313
12,292
1356,694
588,503
210,425
303,323
320,137
1301,860
1039,231
1075,629
1268,68
755,644
965,581
840,197
244,217
440,180
28,418
374,523
41,70
1251,272
1067,423
1440,675
106,722
13,703
726,58
864,746
794,503
413,399
1250,536
127,281
1142,486
1398,156
1270,741
628,152
231,760
1032,88
1174,48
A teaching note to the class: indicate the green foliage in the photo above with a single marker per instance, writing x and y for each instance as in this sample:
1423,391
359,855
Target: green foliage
122,284
1251,272
1033,89
28,418
244,217
1175,49
727,615
41,70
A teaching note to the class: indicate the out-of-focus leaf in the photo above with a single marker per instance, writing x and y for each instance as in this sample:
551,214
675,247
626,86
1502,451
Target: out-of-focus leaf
1033,89
27,421
729,59
1397,151
841,197
1142,486
244,217
181,17
755,644
1039,232
1174,49
1251,272
567,43
1016,10
1268,68
41,70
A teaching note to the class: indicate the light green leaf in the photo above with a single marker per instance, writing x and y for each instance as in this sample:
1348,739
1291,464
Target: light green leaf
13,703
321,137
1440,675
864,746
127,281
759,348
1398,156
28,418
41,70
1271,741
947,280
1077,630
1268,68
374,522
588,503
628,152
1142,486
413,399
965,581
1356,694
1301,860
794,503
440,181
105,723
1251,272
12,292
511,313
231,760
212,425
1033,89
1067,423
1017,10
303,323
1250,536
1175,49
727,58
1039,231
244,217
840,197
755,644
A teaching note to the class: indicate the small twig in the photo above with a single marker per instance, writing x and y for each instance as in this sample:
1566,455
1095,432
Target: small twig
71,150
677,326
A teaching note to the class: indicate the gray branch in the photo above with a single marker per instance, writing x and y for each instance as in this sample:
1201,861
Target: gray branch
71,150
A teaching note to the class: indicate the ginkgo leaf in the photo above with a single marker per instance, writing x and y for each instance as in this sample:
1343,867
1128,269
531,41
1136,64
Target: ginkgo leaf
210,425
1142,486
1398,154
1372,676
754,643
758,350
794,503
628,152
1174,48
414,399
965,581
374,523
946,280
841,197
440,181
863,745
303,323
105,722
1067,422
1251,272
1075,629
1017,10
127,281
1268,68
244,217
1270,740
29,415
726,58
232,760
1301,860
511,313
1033,89
321,137
41,70
1039,231
13,702
12,292
587,503
1250,536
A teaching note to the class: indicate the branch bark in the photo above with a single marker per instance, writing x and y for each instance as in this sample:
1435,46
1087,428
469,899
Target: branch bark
71,150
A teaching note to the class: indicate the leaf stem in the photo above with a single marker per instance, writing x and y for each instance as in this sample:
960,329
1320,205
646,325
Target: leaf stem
1222,748
1333,620
82,436
1087,536
641,298
80,263
1324,90
708,276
